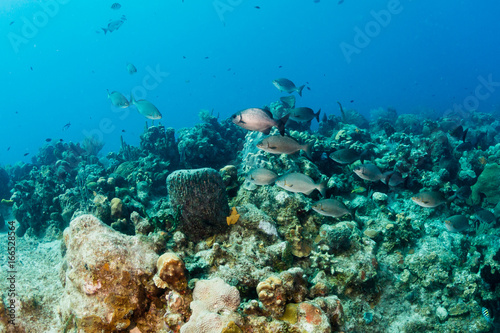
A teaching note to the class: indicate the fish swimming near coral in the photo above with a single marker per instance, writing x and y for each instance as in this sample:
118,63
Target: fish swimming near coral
369,172
331,207
456,223
117,99
278,144
255,119
299,183
485,216
429,199
345,156
288,86
146,108
261,176
304,114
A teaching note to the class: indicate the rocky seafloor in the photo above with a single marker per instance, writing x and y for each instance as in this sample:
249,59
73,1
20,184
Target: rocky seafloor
147,240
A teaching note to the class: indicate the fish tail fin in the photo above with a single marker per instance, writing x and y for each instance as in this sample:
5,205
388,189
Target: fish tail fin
132,100
299,90
317,115
322,187
281,124
105,30
307,149
108,93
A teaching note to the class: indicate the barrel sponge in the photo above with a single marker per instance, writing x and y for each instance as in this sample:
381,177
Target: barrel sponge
171,272
200,197
487,183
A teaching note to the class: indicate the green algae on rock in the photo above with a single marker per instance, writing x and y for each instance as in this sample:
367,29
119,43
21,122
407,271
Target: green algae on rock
488,183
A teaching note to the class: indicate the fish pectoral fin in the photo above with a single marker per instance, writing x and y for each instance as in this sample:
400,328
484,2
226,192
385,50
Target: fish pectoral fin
241,122
271,147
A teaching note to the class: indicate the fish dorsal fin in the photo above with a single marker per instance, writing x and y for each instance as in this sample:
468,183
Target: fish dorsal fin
267,110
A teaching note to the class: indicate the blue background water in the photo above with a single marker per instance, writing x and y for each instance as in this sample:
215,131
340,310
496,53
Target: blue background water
428,57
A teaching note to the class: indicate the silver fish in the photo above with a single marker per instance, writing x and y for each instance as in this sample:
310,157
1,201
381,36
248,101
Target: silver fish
117,99
146,108
255,119
288,86
278,144
304,114
345,156
393,178
299,183
456,223
331,207
261,176
368,172
429,199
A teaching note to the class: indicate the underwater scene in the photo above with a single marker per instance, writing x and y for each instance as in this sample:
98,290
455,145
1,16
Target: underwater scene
234,166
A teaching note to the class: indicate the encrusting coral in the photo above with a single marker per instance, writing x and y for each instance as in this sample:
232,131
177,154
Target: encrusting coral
214,305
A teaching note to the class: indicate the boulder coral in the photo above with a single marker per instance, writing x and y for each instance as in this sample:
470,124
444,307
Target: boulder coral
105,276
214,305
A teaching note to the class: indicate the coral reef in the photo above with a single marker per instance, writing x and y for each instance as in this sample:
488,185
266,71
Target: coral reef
156,230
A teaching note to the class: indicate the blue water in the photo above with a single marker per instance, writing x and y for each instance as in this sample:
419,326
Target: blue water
425,55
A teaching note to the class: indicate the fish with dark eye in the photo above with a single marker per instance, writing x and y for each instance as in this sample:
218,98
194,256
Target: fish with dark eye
369,172
261,176
331,207
304,114
255,119
299,183
288,86
429,199
278,144
456,223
